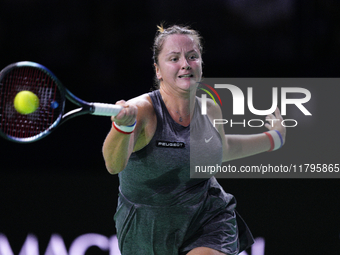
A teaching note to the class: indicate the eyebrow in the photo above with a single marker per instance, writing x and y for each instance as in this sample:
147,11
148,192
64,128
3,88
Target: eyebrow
173,52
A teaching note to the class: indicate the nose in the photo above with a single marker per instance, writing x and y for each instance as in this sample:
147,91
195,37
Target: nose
185,64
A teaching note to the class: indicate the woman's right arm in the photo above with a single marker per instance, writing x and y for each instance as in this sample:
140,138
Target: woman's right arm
118,146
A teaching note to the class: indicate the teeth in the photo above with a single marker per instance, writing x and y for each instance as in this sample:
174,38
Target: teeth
186,75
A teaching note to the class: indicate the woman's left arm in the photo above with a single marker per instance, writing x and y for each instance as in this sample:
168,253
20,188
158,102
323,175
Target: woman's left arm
240,146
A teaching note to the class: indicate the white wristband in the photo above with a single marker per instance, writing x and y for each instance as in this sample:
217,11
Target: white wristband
276,140
125,129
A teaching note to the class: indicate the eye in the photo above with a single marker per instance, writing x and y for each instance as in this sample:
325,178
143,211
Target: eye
193,56
173,59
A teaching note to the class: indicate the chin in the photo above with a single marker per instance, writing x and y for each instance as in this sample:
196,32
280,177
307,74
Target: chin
188,85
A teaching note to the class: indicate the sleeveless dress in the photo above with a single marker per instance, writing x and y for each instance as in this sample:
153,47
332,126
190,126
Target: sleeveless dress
161,210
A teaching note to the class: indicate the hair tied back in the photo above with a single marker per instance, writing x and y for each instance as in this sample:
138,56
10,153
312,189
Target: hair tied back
160,28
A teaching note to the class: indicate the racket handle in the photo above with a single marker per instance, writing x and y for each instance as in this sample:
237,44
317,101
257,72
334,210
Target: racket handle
102,109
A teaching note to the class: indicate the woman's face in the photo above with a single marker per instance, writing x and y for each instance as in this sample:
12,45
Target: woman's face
179,63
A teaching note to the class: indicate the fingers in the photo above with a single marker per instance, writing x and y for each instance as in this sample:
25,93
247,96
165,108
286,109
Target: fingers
278,113
271,118
127,116
275,123
276,116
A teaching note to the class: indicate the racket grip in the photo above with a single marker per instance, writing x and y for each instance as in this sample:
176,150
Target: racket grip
102,109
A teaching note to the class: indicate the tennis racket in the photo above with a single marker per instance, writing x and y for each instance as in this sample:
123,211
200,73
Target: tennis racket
52,97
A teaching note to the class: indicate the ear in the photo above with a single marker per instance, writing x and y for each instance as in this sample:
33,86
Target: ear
158,71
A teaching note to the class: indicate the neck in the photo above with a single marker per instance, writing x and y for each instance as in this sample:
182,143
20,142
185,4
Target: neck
179,105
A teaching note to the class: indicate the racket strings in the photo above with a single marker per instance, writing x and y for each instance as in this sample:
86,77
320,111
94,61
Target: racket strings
40,83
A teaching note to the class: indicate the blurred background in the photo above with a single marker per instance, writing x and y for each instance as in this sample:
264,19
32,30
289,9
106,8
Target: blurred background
101,51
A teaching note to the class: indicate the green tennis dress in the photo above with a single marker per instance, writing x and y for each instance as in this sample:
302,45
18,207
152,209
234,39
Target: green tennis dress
161,210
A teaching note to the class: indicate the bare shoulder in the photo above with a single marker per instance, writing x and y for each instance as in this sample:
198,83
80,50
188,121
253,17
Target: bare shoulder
144,105
213,110
141,101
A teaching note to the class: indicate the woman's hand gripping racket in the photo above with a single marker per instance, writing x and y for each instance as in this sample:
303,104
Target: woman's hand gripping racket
39,108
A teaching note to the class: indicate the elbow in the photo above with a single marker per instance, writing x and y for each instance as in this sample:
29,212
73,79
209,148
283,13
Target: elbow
113,165
114,162
114,169
231,150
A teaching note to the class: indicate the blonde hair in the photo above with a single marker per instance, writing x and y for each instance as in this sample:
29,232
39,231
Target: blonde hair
160,28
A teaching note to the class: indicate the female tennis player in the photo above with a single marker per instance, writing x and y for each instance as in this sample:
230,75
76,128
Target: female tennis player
160,209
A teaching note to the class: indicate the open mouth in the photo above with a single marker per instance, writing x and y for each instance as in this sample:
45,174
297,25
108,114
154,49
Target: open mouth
186,76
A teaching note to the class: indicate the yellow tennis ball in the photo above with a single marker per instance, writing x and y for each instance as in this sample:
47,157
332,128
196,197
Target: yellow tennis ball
26,102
